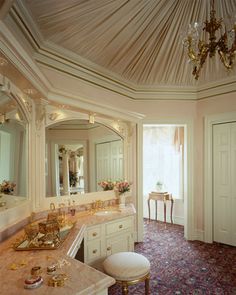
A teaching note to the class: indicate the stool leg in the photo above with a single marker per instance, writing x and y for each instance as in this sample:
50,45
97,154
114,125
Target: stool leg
125,290
147,285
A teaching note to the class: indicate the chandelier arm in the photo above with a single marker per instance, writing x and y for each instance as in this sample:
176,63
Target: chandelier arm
225,59
203,53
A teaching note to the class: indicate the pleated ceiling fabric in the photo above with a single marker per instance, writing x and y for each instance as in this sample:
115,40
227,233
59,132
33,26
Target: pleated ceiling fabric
138,40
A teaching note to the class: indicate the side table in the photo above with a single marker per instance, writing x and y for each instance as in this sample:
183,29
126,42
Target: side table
164,197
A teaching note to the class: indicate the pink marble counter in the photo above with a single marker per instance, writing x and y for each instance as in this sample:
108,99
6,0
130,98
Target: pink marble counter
82,279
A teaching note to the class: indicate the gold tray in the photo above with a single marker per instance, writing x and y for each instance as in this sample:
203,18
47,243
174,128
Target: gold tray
25,244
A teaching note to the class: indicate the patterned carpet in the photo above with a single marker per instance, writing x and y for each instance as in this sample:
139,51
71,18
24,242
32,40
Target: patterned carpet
182,267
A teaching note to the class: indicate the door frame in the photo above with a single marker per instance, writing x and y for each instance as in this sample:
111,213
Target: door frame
189,200
208,169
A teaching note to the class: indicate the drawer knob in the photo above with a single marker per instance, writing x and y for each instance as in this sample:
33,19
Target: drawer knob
120,226
95,251
108,248
94,234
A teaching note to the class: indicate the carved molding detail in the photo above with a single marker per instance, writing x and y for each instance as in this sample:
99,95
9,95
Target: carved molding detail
40,114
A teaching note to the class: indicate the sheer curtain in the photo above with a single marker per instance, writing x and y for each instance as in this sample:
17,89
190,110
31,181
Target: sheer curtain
163,158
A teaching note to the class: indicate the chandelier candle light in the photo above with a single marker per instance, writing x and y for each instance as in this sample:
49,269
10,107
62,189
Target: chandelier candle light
198,49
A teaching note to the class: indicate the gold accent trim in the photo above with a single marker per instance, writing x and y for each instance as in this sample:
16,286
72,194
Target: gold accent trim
125,284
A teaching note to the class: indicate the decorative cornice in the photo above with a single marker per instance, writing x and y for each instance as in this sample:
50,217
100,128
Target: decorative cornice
58,96
12,49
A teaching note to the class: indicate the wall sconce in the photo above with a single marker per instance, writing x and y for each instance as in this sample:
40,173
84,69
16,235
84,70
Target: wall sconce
3,118
91,119
30,91
54,116
3,62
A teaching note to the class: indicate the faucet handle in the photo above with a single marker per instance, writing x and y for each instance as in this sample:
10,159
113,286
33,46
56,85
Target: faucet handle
52,207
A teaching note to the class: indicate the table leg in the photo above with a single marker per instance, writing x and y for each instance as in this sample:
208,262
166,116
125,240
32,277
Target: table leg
165,211
171,210
149,209
156,208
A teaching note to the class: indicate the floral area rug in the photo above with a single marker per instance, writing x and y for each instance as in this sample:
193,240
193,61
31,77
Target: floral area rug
183,267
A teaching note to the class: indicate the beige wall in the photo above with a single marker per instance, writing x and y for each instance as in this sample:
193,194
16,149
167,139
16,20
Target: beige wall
184,110
164,111
216,105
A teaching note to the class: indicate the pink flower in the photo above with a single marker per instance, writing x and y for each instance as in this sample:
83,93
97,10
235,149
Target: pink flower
107,185
123,186
7,187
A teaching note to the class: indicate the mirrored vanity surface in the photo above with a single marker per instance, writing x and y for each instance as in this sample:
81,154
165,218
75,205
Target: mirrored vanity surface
79,155
13,156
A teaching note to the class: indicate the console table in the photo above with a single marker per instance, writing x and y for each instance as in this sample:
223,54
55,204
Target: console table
164,197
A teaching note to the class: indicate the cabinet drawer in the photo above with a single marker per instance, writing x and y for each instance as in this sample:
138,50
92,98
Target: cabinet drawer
94,250
93,233
119,225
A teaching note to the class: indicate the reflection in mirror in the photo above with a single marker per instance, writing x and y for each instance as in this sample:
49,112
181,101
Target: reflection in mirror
79,155
12,153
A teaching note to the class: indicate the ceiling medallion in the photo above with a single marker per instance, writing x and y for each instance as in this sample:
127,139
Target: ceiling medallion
198,49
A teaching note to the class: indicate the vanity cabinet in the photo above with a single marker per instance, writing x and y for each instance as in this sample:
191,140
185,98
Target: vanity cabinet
108,238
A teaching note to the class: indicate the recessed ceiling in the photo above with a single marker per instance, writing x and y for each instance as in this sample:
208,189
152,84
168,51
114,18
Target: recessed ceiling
136,40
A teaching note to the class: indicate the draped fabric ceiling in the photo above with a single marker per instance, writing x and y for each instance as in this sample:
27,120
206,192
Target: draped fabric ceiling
137,40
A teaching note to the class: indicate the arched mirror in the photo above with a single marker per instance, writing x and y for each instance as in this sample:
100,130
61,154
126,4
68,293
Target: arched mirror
79,155
13,161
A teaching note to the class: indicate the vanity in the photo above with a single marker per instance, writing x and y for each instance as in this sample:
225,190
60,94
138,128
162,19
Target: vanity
101,234
52,154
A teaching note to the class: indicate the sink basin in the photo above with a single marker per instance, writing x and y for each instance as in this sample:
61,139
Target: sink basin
106,212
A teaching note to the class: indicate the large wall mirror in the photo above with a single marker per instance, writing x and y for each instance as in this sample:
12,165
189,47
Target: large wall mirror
13,147
79,155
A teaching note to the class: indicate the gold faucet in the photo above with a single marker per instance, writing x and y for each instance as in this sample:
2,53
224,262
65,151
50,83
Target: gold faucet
98,204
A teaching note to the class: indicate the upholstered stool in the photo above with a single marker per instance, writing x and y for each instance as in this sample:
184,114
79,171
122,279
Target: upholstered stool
128,268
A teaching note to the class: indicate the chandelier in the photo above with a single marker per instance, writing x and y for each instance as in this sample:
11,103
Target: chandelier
198,50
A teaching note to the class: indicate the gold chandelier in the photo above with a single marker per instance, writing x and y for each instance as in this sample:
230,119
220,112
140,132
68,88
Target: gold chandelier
198,50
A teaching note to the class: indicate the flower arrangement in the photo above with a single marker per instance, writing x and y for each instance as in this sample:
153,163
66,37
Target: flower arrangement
107,185
7,187
123,186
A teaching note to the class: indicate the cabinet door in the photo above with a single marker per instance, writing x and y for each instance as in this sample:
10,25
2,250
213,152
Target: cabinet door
93,250
121,243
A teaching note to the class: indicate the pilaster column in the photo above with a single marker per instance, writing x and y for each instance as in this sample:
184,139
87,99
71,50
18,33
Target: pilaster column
65,173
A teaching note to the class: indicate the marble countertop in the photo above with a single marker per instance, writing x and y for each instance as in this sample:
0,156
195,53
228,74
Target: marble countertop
82,279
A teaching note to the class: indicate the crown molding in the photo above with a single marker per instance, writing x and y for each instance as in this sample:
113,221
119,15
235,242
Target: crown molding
216,88
13,50
58,96
52,60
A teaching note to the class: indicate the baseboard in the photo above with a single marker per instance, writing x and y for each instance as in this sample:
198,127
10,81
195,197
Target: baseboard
199,235
176,219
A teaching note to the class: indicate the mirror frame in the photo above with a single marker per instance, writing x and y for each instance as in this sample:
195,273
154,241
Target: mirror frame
23,209
71,141
122,129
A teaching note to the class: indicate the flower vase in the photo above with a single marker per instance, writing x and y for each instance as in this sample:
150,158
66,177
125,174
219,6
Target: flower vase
122,197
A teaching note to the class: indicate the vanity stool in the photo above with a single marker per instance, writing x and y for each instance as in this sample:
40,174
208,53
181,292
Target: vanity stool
128,268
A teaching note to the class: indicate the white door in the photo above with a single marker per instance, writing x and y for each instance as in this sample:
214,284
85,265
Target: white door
116,160
224,183
109,161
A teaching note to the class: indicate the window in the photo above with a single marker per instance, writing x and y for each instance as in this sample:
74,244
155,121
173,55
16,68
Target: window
163,147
